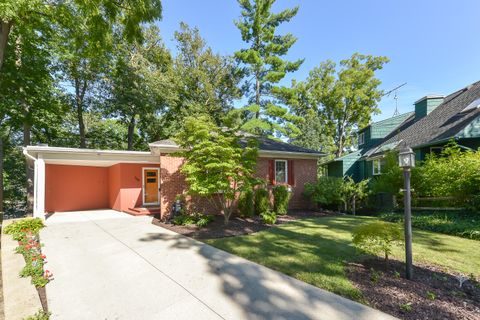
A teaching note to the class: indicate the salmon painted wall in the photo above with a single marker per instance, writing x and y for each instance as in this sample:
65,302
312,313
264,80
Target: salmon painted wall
125,185
69,188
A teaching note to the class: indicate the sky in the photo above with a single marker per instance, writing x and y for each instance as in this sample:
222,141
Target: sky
433,46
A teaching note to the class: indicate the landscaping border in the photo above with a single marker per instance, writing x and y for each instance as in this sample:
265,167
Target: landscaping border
21,298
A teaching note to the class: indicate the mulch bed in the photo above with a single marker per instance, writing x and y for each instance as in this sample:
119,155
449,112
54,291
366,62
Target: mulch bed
236,226
433,293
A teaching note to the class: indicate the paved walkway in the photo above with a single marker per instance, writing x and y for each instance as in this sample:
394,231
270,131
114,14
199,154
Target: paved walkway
109,265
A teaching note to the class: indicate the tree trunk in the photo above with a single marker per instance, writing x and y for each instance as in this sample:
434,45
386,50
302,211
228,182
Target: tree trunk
80,89
28,171
4,32
354,205
1,176
257,94
131,130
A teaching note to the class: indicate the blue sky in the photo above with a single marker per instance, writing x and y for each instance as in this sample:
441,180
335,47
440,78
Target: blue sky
434,46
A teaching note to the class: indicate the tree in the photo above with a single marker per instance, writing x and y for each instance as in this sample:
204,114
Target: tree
28,88
218,164
353,192
205,82
139,81
100,16
265,66
344,100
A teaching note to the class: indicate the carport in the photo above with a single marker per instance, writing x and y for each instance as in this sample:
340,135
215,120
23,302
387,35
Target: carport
67,179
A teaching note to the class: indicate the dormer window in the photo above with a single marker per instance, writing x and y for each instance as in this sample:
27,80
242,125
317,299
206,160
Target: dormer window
361,138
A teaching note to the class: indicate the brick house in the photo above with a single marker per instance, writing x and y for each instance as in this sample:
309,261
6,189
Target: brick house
137,182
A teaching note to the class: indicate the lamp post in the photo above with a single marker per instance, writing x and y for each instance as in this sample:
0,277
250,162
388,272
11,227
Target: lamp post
406,160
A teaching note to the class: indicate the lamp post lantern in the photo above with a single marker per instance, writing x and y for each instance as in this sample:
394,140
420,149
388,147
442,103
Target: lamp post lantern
406,160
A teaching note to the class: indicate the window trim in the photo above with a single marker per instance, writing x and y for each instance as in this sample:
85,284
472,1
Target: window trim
362,140
275,171
379,166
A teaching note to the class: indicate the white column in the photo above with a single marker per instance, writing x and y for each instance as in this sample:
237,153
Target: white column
40,187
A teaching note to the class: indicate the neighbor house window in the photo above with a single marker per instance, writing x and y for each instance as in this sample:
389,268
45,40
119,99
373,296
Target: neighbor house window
378,165
361,138
436,150
281,169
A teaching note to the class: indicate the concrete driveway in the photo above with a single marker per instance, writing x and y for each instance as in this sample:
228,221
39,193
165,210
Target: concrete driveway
109,265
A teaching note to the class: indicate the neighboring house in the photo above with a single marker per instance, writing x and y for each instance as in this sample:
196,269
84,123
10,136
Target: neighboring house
68,179
435,121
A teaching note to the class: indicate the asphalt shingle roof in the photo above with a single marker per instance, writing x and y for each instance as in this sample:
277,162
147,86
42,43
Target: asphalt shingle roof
443,123
265,144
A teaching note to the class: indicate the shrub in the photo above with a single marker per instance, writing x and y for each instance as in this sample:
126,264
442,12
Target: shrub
19,228
245,204
198,219
25,231
40,315
262,201
269,217
377,237
327,192
461,224
281,198
204,220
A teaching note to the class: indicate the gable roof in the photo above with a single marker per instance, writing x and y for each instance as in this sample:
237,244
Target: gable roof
267,147
445,122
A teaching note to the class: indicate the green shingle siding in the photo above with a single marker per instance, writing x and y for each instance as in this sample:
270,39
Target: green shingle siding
472,130
425,106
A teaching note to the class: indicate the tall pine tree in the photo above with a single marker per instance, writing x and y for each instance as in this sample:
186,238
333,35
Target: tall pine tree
266,67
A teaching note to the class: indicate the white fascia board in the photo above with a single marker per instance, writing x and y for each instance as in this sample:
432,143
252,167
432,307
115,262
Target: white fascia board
66,155
289,155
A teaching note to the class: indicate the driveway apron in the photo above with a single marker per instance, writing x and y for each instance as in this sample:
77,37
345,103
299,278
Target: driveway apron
109,265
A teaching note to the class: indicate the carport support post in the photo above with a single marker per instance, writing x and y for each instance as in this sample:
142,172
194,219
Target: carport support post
39,201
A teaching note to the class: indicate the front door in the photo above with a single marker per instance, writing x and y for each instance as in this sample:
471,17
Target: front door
150,186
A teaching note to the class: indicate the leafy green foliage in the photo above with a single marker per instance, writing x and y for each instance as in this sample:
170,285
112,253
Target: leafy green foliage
19,228
461,224
391,179
26,231
452,173
217,166
327,192
139,81
263,61
343,100
269,217
281,198
262,201
353,192
245,204
198,219
40,315
377,237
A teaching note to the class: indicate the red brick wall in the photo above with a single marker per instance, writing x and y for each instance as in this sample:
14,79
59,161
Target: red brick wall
304,170
173,183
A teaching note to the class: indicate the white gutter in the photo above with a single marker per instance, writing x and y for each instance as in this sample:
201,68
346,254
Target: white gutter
28,155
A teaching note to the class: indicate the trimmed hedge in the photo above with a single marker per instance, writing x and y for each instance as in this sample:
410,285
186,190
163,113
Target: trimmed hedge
245,204
262,201
281,198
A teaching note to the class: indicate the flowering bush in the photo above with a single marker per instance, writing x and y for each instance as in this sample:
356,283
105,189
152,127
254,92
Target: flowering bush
26,233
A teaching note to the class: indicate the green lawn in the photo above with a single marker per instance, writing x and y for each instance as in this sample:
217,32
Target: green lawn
315,251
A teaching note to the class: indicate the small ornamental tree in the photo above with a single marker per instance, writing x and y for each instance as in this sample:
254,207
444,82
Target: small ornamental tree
218,164
353,192
377,237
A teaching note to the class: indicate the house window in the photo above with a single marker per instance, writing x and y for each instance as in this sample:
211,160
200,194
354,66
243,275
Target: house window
361,138
436,150
378,165
281,170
